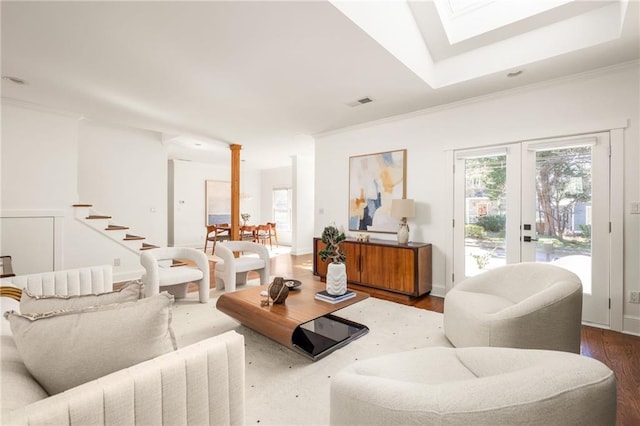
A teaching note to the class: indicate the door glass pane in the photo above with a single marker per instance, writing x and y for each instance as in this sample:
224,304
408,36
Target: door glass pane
563,209
485,213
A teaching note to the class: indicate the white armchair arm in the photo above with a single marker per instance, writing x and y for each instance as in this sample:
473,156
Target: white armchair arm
200,384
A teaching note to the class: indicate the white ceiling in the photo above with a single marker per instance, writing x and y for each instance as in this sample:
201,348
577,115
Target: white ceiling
270,75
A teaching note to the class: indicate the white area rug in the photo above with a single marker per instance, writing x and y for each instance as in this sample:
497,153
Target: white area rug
284,387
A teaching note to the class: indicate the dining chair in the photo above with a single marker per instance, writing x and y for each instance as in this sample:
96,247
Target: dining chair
248,233
215,232
263,233
274,234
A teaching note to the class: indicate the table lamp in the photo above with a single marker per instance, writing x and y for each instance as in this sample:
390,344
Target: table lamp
403,209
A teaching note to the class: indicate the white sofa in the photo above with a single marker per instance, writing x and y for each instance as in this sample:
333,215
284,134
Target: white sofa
92,279
154,392
200,384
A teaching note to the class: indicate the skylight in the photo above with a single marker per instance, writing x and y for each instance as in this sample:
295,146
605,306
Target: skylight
500,35
465,19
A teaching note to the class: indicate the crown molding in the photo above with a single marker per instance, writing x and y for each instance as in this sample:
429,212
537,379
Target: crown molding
41,108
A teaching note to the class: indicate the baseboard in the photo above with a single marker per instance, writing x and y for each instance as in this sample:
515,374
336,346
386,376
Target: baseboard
198,246
631,325
301,251
438,290
127,276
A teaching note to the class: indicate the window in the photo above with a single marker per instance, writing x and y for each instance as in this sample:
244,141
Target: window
281,202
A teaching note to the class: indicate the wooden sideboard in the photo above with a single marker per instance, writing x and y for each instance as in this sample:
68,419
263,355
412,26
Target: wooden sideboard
383,265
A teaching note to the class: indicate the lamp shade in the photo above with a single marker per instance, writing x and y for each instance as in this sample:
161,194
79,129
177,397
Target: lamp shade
404,207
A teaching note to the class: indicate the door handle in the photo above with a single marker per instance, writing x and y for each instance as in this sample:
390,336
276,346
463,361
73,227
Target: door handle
528,239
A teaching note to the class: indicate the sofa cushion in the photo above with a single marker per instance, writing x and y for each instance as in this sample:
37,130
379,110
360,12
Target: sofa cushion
181,274
32,303
66,348
18,386
243,264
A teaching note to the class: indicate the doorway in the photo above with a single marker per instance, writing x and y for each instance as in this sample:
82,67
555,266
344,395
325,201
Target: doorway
537,201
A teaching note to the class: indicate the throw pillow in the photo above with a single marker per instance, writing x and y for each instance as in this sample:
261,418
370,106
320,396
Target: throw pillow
64,349
7,304
31,303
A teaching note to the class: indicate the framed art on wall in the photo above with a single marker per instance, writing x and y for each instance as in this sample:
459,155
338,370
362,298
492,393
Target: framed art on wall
217,202
374,180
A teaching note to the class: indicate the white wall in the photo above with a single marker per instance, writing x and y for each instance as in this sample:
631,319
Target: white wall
39,156
188,209
303,204
123,173
251,183
51,161
271,179
581,104
38,185
188,181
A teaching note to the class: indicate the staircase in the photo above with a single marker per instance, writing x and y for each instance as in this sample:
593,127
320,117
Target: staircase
104,225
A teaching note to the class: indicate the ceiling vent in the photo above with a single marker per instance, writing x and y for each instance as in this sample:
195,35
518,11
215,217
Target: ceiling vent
360,102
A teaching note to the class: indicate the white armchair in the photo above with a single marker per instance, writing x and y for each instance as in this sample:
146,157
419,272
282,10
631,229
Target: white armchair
175,280
233,271
523,305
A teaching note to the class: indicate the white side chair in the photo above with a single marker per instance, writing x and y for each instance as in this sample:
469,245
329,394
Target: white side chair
159,273
233,271
522,305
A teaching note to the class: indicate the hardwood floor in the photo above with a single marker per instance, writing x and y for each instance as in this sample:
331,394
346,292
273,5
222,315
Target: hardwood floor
620,352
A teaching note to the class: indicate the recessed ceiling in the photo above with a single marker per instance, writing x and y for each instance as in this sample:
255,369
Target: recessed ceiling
270,75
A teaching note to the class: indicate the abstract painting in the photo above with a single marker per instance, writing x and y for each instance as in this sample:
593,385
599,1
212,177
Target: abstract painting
217,202
374,180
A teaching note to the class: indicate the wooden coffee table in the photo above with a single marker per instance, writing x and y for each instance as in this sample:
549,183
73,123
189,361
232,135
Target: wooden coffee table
302,323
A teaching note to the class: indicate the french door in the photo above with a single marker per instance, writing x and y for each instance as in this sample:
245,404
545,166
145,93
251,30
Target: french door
537,201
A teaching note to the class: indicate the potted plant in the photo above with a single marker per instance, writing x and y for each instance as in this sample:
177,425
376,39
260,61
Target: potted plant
336,270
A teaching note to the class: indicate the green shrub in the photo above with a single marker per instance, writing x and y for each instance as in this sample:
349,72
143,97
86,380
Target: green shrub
492,223
474,231
586,230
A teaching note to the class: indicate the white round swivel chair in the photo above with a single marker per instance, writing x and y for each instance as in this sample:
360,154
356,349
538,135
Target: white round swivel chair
522,305
475,386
